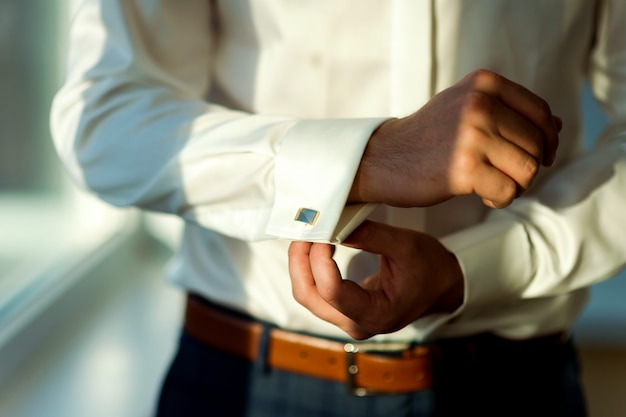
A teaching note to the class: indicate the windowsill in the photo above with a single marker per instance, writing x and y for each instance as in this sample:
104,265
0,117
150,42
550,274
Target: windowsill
45,239
103,346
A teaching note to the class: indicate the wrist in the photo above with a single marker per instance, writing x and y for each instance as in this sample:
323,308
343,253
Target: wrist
453,295
366,185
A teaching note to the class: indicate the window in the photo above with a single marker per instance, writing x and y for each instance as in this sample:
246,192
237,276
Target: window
47,227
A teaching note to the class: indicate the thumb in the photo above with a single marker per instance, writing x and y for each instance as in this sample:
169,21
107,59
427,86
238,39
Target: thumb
374,237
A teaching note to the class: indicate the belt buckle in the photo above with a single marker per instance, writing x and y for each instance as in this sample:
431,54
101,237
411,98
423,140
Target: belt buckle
352,369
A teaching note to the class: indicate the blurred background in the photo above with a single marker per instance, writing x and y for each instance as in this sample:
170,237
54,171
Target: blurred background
88,322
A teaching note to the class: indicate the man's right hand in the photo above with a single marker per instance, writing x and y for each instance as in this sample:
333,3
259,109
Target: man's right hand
485,135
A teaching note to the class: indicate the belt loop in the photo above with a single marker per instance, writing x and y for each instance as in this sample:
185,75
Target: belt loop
264,348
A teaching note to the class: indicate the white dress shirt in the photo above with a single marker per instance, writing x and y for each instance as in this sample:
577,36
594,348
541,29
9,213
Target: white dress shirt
236,114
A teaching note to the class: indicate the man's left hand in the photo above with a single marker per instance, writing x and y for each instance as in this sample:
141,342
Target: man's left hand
417,276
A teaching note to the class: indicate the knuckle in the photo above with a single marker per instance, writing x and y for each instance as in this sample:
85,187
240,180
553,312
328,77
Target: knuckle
298,295
386,326
464,163
544,117
471,143
507,194
478,104
376,328
330,295
485,78
469,135
545,113
358,334
462,170
530,167
535,146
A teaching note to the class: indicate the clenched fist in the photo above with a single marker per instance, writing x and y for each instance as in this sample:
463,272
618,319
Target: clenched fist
485,135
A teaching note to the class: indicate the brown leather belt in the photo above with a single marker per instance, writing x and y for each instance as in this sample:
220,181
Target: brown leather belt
354,364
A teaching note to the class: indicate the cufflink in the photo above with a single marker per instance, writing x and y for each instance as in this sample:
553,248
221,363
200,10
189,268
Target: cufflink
308,216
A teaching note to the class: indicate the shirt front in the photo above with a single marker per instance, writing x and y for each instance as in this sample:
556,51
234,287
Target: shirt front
236,115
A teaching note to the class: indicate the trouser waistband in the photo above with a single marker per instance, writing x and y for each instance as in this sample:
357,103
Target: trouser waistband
364,367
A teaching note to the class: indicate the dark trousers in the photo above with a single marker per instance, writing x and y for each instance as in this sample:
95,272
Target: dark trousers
479,376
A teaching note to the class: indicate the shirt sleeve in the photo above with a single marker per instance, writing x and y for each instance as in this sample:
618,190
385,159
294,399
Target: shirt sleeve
569,233
132,124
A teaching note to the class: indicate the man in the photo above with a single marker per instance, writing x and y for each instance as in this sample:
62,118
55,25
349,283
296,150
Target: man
265,122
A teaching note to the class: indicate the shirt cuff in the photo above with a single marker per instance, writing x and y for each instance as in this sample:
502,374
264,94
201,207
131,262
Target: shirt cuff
315,168
487,253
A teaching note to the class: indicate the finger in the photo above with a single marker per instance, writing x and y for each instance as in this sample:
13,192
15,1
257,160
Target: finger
300,271
303,283
520,131
344,295
522,100
559,123
395,246
494,120
363,311
305,291
513,161
497,189
374,237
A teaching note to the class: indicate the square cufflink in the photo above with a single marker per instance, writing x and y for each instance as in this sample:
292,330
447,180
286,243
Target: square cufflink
308,216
